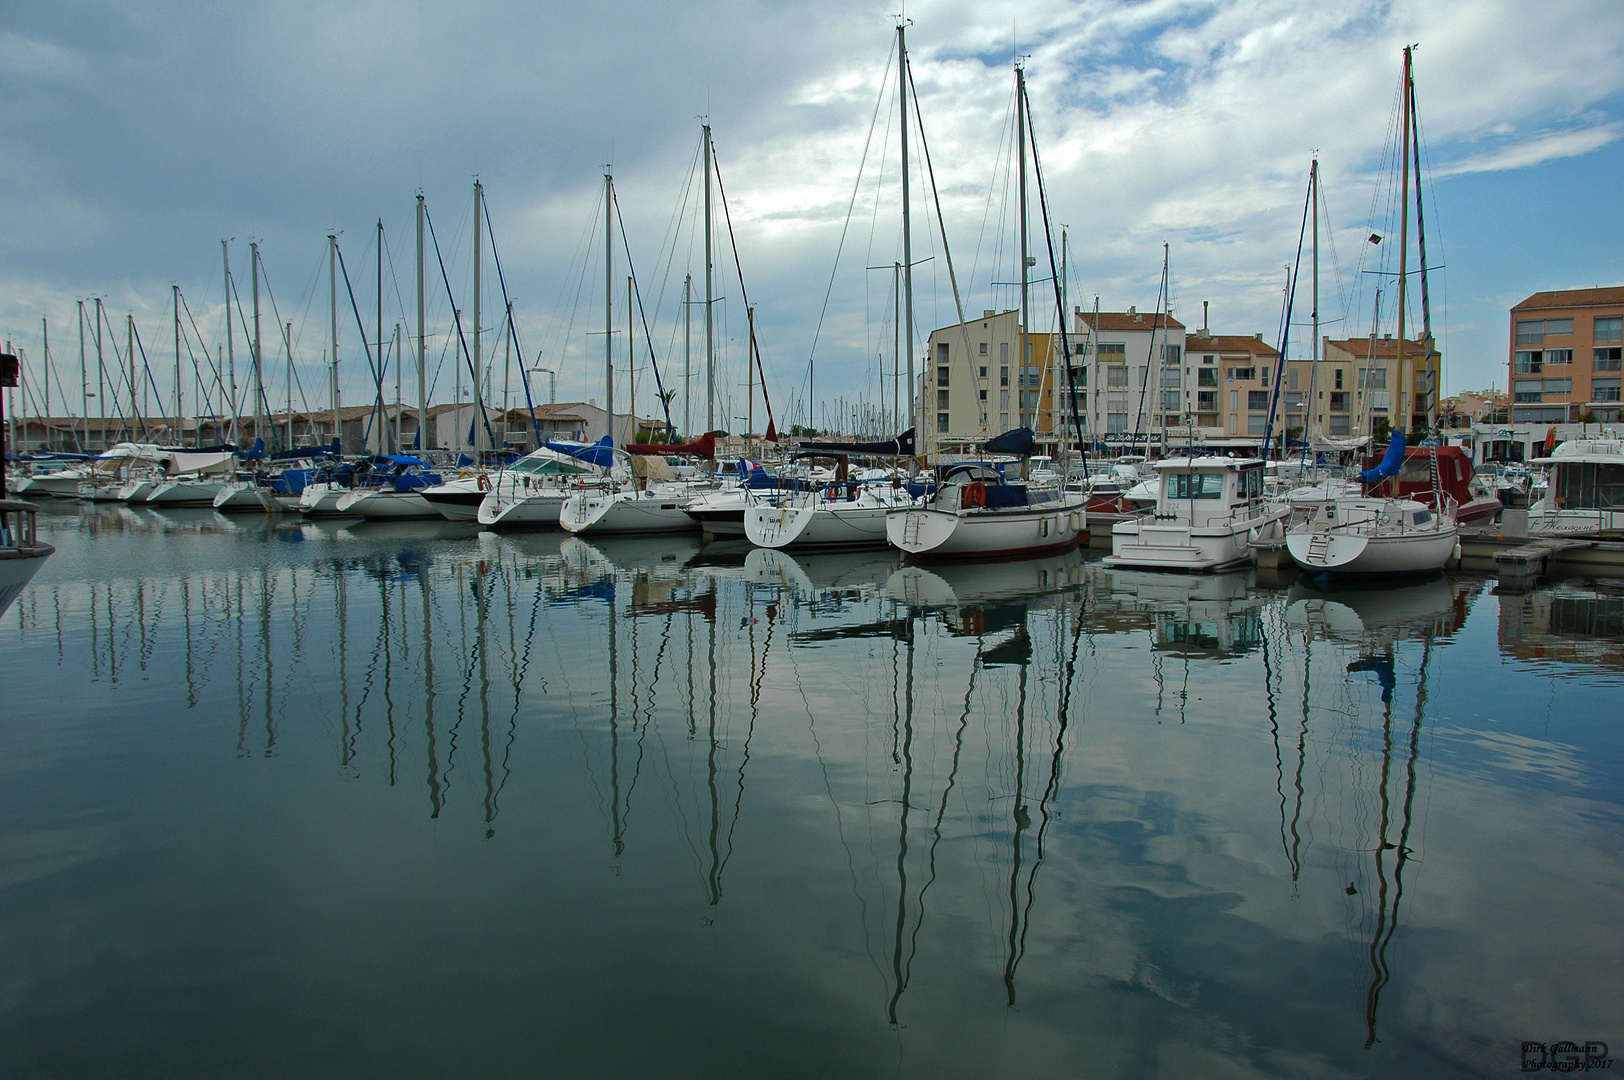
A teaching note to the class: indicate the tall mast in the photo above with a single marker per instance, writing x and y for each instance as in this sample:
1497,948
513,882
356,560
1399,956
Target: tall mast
422,385
609,299
479,357
287,345
231,356
1404,246
907,222
332,308
378,406
710,298
1313,183
631,361
750,373
507,370
1025,358
180,404
687,356
400,421
259,350
101,372
45,350
896,346
129,350
84,381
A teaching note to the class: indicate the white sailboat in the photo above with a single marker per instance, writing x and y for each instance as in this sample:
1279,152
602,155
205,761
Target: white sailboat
976,514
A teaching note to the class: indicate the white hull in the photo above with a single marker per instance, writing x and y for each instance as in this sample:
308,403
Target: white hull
1352,553
57,485
184,493
245,499
535,511
988,534
376,505
1543,522
721,513
321,499
1146,543
456,500
815,523
134,491
603,512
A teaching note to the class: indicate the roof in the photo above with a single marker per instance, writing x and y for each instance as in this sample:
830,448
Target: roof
1130,320
1385,347
1571,298
1222,343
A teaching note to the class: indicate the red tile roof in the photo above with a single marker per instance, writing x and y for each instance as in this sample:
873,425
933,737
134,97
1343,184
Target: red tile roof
1137,320
1229,343
1569,298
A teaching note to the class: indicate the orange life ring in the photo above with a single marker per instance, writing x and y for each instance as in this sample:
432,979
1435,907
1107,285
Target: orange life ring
975,494
484,482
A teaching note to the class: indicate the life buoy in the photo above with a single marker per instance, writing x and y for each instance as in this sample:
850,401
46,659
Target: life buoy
975,494
484,482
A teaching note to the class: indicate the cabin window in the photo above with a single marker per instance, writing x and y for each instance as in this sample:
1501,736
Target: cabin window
1251,483
1589,485
1610,329
1422,517
1606,359
1196,485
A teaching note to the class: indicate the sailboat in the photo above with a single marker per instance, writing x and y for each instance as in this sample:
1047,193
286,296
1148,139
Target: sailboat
1376,534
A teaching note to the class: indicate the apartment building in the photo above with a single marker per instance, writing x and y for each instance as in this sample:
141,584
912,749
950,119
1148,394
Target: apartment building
1358,387
1234,388
1565,349
974,384
1132,378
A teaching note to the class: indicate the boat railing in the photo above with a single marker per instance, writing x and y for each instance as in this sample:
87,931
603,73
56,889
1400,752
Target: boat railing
18,526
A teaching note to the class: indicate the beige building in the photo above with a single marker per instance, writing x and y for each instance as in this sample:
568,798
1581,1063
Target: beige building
1234,389
974,385
1358,387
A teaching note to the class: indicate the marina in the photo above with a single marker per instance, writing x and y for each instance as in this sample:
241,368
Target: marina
837,812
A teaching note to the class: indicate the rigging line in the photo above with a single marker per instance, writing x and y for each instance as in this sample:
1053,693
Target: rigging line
1054,275
856,184
513,330
146,366
462,338
648,337
586,255
1150,351
727,216
276,312
1291,296
374,366
207,357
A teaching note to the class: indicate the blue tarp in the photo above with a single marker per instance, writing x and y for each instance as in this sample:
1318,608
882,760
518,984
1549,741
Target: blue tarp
1392,461
1019,442
600,453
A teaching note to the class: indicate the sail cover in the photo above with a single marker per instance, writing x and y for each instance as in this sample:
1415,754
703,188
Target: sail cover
1392,461
201,463
901,446
1019,442
600,453
702,447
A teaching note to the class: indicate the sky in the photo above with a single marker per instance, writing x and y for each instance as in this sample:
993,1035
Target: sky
135,138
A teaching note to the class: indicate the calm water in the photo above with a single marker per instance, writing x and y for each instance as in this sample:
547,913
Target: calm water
296,800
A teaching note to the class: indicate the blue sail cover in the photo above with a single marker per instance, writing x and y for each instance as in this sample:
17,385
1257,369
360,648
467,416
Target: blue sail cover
1020,442
600,453
1392,461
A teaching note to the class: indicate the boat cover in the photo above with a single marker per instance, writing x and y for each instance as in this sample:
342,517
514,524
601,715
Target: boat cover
1392,461
901,446
702,447
600,453
1018,442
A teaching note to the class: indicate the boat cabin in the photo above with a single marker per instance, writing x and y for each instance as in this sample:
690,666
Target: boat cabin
1207,491
1587,474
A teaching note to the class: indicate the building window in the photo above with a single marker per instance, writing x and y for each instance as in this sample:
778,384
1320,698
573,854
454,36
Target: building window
1172,376
983,367
1294,378
1172,354
1079,376
1339,425
1606,359
1558,327
983,351
941,423
1171,400
1605,390
1113,352
1610,329
1558,356
1116,423
1206,401
1234,402
1116,375
1206,377
1559,386
1257,399
941,352
1207,359
1003,420
1256,422
1529,362
1003,352
1380,401
941,376
1339,378
983,395
1003,376
1531,332
1264,371
1242,374
1339,401
941,399
1375,379
1524,390
1003,399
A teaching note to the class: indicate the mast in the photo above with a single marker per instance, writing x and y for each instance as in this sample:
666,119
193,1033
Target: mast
750,372
710,298
231,356
101,372
1314,350
422,385
631,360
259,351
1404,245
687,356
896,347
907,231
45,349
180,406
507,370
609,293
1025,358
287,345
1421,250
400,419
479,357
378,407
84,381
332,308
129,350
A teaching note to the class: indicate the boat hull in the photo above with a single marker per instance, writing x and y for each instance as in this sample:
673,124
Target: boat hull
620,512
1354,553
245,499
17,568
816,525
376,505
535,511
932,533
454,503
1145,543
184,493
321,500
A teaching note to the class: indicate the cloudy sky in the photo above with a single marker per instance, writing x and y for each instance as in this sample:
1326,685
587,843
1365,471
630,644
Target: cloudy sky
134,138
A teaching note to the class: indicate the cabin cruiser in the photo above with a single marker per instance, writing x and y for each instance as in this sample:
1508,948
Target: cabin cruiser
976,513
1208,510
1585,491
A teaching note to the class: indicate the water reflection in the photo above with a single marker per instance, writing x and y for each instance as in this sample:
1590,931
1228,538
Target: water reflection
1032,783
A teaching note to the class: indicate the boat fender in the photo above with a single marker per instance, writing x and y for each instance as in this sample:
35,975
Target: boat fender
484,482
975,494
1456,553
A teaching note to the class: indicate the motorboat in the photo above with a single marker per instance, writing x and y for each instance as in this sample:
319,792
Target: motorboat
1208,512
458,499
976,513
1585,492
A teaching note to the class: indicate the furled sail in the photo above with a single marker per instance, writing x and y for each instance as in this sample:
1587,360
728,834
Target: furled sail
901,446
1392,461
702,447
